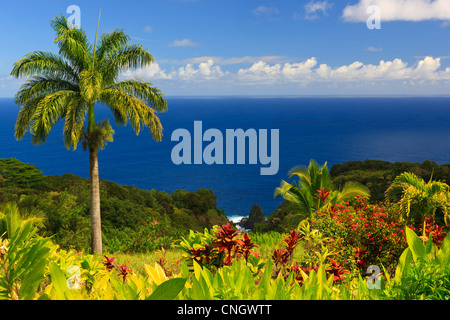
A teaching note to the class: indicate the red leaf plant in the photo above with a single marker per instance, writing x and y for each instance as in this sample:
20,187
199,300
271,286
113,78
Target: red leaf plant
292,240
124,271
322,194
226,241
338,270
109,263
280,256
245,246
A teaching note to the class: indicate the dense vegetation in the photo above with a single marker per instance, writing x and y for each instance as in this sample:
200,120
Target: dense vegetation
347,248
133,219
376,175
223,263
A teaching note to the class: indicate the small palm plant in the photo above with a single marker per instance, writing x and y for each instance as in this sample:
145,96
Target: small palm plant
419,199
66,86
315,190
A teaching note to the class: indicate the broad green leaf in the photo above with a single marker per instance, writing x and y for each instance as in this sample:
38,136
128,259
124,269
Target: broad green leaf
265,281
197,292
34,275
403,265
443,254
429,246
59,281
415,244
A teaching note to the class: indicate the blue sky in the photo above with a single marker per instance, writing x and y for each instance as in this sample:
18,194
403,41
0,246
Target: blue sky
252,47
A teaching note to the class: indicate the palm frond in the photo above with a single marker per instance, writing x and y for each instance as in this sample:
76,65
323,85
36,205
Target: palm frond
90,85
143,90
130,56
74,122
73,44
42,85
350,190
99,136
128,108
48,111
111,43
302,173
42,63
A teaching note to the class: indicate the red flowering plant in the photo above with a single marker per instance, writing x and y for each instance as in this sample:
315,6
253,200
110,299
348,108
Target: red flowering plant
245,246
431,229
218,247
109,263
367,233
226,241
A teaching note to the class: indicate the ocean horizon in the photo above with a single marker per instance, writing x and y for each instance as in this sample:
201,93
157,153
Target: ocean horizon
332,129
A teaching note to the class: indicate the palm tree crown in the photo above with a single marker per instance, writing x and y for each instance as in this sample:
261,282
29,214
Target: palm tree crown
419,199
315,190
66,86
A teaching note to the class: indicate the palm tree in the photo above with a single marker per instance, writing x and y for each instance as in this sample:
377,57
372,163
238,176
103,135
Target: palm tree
315,191
419,199
67,85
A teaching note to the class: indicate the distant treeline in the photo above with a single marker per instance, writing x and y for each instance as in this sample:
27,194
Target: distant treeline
133,219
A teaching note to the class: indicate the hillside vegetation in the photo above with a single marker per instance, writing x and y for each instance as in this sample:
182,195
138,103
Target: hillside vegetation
133,219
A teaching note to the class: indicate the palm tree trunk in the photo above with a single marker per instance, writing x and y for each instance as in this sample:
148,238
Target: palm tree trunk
96,229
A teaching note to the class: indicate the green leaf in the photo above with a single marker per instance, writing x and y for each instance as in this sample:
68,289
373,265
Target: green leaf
59,281
168,290
429,246
415,244
443,255
31,281
402,266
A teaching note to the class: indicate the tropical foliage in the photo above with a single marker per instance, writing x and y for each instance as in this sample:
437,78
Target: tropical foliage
133,220
32,267
420,199
315,191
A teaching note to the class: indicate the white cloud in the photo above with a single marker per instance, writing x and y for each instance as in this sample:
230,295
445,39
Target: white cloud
272,14
313,8
232,60
406,10
374,49
308,72
153,71
148,28
205,71
262,10
261,71
184,43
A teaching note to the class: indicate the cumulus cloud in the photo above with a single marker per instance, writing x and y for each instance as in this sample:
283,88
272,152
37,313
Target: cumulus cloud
153,71
262,71
313,9
262,10
270,13
232,60
205,71
406,10
374,49
184,43
309,71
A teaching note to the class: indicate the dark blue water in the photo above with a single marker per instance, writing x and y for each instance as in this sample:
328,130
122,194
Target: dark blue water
326,129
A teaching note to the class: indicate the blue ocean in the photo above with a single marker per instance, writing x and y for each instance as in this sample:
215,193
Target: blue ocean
327,129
